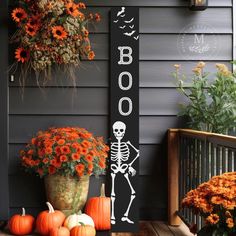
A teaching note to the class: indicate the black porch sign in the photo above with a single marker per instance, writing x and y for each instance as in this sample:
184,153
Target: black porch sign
124,115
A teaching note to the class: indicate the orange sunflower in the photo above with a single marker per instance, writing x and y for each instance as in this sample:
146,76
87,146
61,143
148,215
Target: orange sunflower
85,32
230,223
213,219
18,14
21,55
72,9
217,200
34,22
59,32
97,17
91,55
82,5
30,30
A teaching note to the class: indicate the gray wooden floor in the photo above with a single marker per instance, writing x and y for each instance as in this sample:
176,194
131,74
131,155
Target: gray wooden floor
158,228
147,228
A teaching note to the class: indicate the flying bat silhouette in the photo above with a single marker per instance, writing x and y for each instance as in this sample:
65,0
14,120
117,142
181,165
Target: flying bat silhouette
122,27
131,26
129,21
136,38
130,34
121,12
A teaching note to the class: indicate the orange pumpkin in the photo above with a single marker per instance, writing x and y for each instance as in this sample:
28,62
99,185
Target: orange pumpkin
99,209
61,231
83,230
21,224
49,219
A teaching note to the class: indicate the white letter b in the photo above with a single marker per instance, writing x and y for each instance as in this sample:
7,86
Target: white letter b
127,55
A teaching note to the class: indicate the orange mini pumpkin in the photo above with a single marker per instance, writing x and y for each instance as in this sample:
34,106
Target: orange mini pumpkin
21,224
99,209
59,231
49,219
83,230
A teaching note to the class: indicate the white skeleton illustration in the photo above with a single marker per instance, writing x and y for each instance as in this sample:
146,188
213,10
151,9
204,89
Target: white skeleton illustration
120,152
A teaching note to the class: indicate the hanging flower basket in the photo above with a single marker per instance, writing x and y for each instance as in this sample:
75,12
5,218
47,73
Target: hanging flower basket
51,32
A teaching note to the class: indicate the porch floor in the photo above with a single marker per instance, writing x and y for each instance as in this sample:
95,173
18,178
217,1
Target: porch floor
147,228
157,228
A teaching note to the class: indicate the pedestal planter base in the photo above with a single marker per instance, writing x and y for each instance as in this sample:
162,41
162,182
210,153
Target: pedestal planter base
67,193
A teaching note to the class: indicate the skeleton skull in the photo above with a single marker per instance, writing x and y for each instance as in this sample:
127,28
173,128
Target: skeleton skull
119,129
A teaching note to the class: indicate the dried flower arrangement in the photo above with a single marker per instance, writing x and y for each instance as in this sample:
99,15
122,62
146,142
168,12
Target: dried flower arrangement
215,200
51,32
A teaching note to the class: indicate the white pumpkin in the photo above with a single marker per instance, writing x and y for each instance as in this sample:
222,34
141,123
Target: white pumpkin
75,219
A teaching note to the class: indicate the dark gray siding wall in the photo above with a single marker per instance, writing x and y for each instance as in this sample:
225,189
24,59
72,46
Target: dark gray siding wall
160,24
4,193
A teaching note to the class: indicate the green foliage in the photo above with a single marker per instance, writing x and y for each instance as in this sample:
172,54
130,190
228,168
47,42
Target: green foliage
205,231
212,105
213,231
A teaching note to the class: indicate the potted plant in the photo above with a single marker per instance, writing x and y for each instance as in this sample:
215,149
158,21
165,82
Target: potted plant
211,105
215,200
65,157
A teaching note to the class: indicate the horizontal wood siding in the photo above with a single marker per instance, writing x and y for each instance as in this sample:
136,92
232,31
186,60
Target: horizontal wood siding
4,184
154,3
153,74
167,20
154,47
59,104
23,127
84,101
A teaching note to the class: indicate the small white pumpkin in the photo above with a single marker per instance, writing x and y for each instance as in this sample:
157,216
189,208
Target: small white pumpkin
75,220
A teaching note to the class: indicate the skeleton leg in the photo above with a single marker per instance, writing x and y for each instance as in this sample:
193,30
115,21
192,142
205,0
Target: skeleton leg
132,197
131,187
113,219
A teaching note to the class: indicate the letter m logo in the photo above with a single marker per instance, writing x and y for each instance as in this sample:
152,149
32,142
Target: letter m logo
199,39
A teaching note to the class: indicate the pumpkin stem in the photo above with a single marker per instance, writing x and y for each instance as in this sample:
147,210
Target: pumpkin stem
50,207
103,191
23,211
82,223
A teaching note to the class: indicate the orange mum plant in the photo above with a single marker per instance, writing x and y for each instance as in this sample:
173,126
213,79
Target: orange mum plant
215,200
70,150
52,32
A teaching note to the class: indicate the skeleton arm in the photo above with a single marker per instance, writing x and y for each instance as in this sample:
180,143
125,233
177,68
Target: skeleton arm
137,151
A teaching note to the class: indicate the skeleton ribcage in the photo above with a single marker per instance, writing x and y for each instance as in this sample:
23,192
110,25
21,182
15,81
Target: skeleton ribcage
119,152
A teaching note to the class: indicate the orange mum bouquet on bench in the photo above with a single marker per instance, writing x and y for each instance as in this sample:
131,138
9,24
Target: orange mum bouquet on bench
69,150
52,32
215,200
